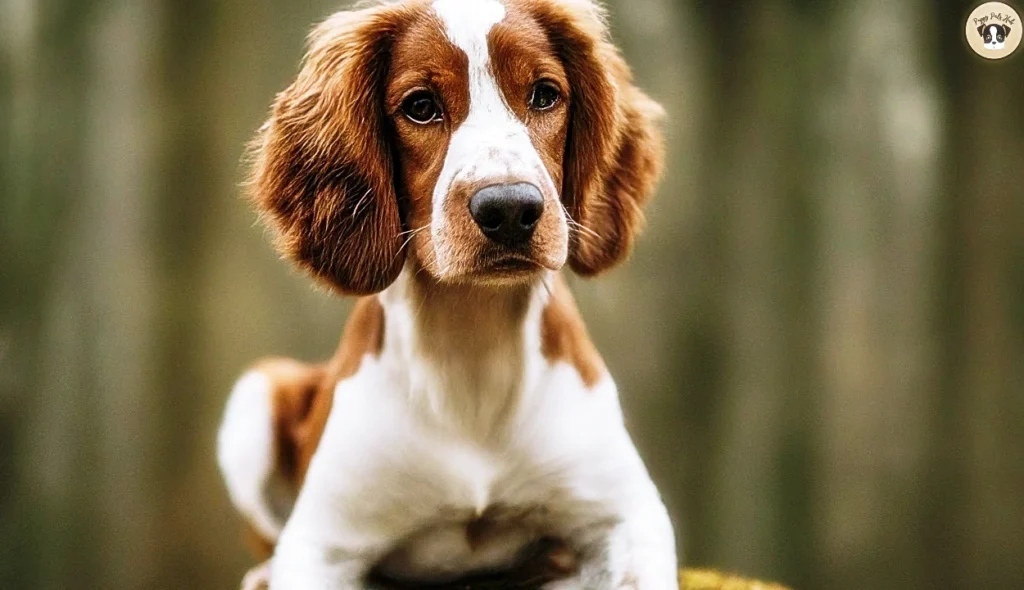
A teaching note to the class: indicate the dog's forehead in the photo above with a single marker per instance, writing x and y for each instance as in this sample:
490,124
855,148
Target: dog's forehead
455,37
447,40
424,46
468,22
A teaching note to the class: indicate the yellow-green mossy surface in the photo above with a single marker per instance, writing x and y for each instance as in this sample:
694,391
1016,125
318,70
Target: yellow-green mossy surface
694,579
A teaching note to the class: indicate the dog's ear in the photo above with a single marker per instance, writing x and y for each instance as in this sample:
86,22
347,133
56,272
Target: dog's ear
981,30
614,151
323,175
1006,30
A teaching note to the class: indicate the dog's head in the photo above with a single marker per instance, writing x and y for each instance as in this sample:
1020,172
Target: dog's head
482,140
994,35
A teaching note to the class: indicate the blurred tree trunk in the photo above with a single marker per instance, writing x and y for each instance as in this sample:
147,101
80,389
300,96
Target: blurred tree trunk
94,442
124,318
826,154
754,284
977,472
878,123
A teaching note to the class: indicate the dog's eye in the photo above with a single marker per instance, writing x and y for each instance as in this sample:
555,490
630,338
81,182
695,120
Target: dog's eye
420,107
544,96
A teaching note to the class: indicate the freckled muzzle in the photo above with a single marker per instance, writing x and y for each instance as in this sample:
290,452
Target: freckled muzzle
500,215
492,227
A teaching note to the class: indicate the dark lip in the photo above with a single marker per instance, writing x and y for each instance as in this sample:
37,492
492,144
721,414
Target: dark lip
514,263
508,265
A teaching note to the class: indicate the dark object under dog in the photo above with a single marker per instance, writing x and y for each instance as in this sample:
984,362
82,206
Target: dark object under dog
545,561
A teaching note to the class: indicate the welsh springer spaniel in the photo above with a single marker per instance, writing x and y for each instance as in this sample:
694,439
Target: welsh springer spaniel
444,160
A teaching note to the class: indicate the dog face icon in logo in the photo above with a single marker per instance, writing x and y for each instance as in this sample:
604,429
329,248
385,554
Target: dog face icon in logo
994,35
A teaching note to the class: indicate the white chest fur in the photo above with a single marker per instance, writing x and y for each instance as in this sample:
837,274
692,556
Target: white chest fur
461,444
412,487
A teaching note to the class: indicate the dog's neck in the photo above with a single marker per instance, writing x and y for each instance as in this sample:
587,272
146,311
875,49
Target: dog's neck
468,351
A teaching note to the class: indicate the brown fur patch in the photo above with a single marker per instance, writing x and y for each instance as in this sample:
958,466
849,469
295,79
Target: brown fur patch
364,334
323,163
260,547
564,336
304,393
614,149
424,60
296,388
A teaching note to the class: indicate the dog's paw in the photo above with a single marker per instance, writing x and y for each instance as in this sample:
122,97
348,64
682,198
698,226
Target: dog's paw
258,578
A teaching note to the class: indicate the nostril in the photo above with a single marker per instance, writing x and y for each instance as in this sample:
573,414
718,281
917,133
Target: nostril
490,219
530,216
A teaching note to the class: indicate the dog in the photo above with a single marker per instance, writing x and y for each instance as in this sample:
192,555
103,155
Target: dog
444,160
994,35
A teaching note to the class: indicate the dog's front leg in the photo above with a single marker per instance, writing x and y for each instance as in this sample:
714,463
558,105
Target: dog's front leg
303,564
356,502
641,549
336,532
637,551
305,559
634,555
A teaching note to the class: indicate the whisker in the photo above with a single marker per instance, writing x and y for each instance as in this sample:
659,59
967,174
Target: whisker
412,234
577,225
412,231
548,288
585,229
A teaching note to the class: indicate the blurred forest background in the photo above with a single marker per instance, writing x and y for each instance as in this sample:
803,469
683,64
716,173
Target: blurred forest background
819,340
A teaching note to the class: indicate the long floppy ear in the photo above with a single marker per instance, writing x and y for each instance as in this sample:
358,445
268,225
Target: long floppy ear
323,171
614,149
981,30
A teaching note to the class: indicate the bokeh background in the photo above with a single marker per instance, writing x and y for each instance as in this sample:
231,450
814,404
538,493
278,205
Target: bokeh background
819,340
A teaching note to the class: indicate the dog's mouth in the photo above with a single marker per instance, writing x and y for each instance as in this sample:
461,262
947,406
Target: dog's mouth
506,266
513,264
503,266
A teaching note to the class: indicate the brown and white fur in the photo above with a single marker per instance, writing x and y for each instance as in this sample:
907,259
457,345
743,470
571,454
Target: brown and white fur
466,415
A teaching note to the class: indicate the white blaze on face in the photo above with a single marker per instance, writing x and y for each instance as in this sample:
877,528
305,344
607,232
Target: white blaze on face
993,31
491,146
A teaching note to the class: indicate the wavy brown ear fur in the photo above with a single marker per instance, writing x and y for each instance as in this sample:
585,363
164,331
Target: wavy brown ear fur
614,150
323,169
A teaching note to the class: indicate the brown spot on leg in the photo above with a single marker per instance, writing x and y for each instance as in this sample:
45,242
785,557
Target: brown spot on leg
302,398
296,388
564,336
259,546
364,334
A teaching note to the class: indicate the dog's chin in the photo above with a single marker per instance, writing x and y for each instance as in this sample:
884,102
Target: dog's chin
506,271
501,269
505,274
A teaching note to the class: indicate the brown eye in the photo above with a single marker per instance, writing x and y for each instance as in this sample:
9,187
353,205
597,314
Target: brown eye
420,107
544,96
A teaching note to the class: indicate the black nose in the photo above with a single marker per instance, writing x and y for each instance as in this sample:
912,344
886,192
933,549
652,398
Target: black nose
507,213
